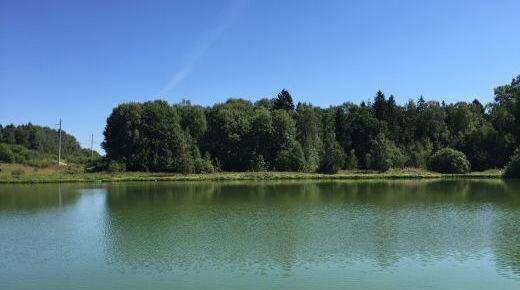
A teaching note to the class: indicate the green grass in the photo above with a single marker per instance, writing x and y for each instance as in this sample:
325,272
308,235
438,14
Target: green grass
16,173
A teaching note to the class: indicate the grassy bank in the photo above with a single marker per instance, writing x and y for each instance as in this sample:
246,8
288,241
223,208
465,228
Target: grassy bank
16,173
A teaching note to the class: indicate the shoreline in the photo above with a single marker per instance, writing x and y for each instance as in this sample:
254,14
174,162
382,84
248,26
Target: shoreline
102,177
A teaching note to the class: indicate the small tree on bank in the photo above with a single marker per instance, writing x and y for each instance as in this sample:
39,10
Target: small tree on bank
351,162
333,157
291,157
384,155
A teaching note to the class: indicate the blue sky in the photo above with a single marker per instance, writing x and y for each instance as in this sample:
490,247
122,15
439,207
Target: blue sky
76,60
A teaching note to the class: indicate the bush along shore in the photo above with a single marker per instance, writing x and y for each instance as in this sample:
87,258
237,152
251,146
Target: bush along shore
14,173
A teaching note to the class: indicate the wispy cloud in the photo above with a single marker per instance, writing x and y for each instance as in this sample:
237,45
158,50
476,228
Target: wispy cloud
186,68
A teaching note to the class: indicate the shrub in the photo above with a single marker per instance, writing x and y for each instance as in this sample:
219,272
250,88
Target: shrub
6,155
351,162
41,162
184,164
449,161
114,166
99,164
290,158
384,155
17,172
12,153
71,169
260,164
333,157
203,166
419,154
513,167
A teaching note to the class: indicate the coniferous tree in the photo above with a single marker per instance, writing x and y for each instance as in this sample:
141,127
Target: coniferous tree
284,101
380,106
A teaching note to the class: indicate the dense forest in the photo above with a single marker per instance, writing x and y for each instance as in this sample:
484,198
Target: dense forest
276,134
38,146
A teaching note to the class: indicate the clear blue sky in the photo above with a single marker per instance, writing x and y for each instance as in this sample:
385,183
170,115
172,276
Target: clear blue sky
78,59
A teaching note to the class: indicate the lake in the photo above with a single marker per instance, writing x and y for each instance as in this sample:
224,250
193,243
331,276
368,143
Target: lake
405,234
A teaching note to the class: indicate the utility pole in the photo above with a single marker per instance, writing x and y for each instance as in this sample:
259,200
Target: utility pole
91,146
59,147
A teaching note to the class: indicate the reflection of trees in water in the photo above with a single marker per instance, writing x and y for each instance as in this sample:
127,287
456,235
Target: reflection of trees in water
286,224
507,232
37,196
41,225
507,242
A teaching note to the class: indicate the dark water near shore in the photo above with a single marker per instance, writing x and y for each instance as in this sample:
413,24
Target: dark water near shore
451,234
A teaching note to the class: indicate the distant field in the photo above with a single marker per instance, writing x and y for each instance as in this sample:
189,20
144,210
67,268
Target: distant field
16,173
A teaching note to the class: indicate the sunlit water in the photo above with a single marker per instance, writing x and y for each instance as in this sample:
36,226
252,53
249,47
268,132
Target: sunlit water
456,234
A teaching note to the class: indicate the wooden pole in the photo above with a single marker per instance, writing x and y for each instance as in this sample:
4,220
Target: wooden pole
91,146
59,147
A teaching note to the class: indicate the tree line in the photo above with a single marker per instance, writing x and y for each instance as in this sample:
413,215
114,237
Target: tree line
275,134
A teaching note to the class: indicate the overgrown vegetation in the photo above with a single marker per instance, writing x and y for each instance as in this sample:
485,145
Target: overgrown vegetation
11,153
513,167
274,134
74,173
38,146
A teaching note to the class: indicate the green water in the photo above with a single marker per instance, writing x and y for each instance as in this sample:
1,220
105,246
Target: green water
456,234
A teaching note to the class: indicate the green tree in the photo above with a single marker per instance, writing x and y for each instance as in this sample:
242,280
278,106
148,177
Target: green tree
261,137
265,103
284,101
513,167
114,166
333,157
363,128
284,129
341,125
351,161
380,106
480,147
309,135
505,118
419,154
147,137
290,157
288,151
431,124
259,163
6,155
192,119
384,154
393,114
228,136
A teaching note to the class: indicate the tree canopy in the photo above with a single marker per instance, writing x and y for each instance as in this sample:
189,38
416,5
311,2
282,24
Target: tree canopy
273,134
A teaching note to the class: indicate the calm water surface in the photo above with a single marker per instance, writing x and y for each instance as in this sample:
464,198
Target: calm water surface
457,234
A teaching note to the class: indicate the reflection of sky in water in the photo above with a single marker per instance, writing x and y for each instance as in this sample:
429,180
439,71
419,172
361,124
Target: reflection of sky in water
402,234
